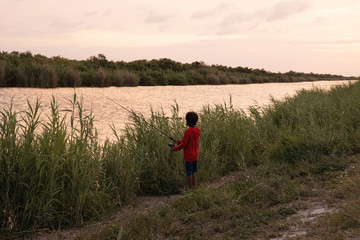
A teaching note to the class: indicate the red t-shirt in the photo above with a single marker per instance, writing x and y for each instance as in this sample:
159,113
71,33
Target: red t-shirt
190,144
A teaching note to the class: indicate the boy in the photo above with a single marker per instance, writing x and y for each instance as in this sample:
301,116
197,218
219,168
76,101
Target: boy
190,146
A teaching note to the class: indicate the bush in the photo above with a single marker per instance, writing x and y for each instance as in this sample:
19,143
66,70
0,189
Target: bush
195,77
25,70
213,79
48,77
72,77
102,79
224,79
118,79
21,77
146,79
126,78
177,79
2,74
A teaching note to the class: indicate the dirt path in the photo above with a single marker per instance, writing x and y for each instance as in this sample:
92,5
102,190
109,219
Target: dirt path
142,206
321,203
298,223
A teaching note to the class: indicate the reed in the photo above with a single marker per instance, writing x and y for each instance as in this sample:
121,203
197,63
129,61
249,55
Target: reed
159,170
56,173
311,124
227,142
49,176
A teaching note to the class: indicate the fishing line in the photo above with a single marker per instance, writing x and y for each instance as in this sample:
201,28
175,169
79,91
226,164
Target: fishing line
143,119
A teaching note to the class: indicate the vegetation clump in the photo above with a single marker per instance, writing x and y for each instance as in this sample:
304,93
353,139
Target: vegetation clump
28,70
56,173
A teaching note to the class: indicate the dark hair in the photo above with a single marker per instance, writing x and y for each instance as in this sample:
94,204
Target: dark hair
191,119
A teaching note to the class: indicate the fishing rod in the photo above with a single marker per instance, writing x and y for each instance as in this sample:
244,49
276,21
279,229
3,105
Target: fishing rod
132,112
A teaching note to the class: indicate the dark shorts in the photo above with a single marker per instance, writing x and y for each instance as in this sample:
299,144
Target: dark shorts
190,168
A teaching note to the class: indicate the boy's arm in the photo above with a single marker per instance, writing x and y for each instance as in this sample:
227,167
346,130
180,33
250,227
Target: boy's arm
177,147
182,143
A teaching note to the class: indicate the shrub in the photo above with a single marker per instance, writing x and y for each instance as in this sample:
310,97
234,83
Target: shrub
195,77
147,80
48,77
72,77
101,80
177,79
118,79
213,79
22,77
126,78
224,79
130,79
2,73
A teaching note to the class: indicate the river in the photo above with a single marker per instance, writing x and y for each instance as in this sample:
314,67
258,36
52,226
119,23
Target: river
142,99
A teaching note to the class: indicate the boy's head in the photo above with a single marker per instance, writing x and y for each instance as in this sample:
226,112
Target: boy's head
191,119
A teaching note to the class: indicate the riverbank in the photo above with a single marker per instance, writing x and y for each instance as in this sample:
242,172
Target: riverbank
313,201
38,71
281,150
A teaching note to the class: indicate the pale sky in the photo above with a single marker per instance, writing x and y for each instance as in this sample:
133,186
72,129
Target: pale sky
320,36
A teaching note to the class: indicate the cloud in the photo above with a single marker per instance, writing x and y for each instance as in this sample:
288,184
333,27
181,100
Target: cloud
234,22
284,9
90,14
238,21
211,12
329,42
63,25
157,18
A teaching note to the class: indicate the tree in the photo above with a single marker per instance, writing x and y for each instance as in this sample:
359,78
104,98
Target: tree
72,78
48,77
2,73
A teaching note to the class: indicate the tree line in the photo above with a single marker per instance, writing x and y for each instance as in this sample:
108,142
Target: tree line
24,69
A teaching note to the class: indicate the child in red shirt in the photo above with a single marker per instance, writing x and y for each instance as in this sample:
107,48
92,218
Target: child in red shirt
190,146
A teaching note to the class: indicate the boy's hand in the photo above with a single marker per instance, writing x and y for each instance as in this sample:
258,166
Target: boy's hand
178,142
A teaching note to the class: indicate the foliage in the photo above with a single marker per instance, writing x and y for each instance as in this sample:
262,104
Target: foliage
49,176
56,173
28,70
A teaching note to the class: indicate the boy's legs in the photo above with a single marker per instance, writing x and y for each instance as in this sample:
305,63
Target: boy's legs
191,181
191,169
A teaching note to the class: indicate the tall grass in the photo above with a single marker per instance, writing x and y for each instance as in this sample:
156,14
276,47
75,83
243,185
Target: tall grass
312,124
56,173
159,170
49,176
228,141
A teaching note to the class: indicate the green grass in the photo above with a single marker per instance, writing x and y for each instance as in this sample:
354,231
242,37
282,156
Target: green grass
49,178
343,223
55,173
256,205
250,208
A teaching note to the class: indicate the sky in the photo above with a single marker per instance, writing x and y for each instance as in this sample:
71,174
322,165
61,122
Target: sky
319,36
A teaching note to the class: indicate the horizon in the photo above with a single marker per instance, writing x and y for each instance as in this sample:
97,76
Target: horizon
278,36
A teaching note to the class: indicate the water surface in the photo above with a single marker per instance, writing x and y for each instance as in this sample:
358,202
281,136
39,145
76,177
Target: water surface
142,99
